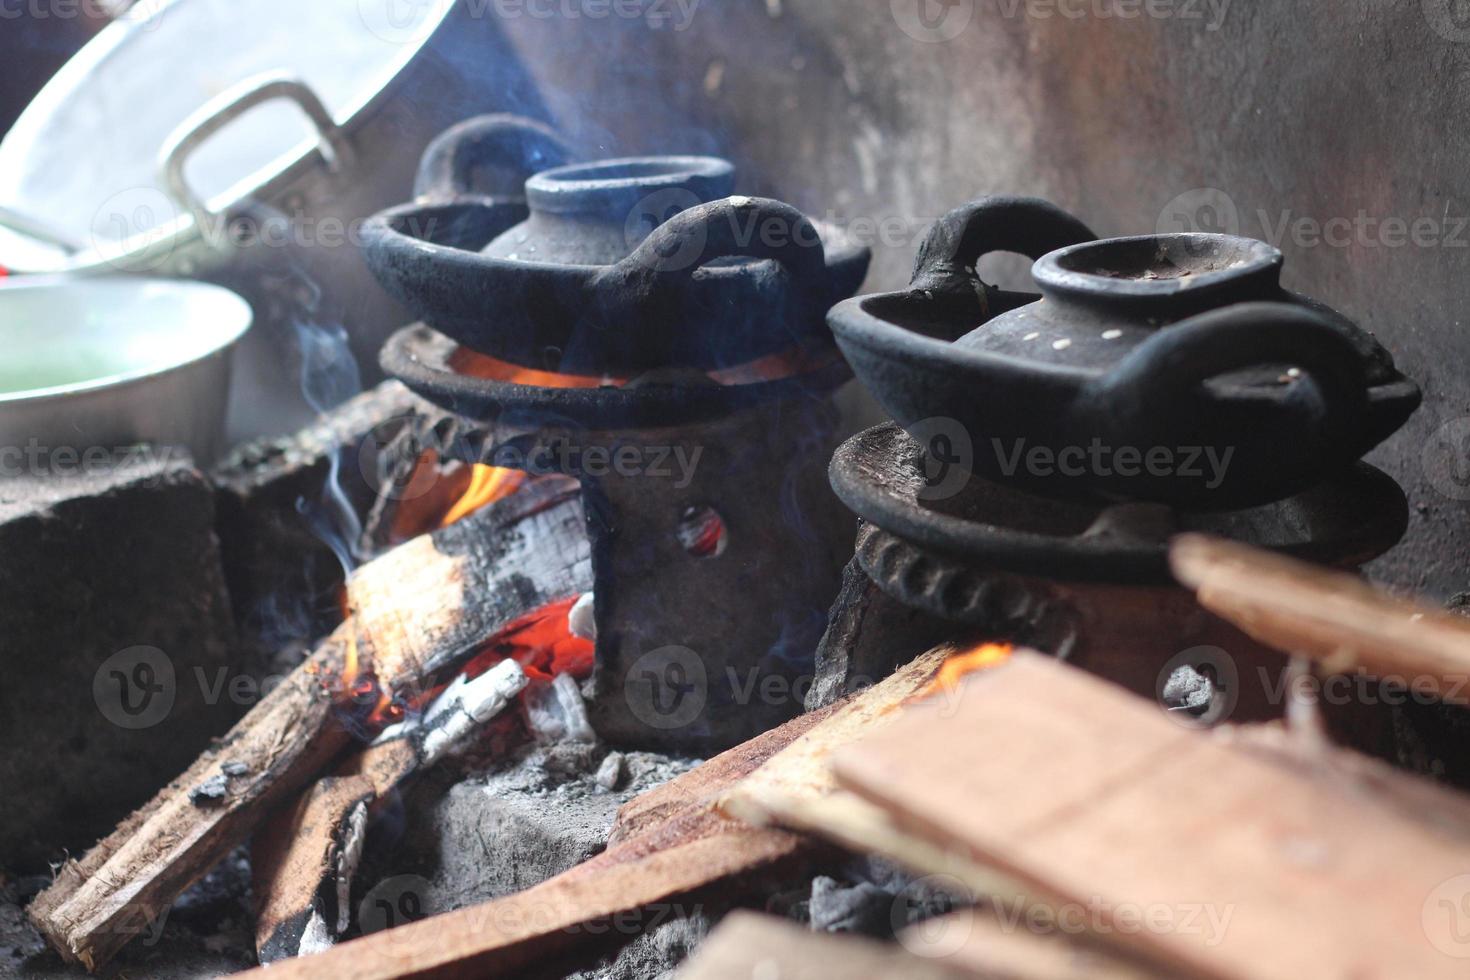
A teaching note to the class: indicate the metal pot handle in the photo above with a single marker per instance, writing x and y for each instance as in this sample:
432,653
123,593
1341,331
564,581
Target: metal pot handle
1146,396
957,241
751,227
225,109
515,145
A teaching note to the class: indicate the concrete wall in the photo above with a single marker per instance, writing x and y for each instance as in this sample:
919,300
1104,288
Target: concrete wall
1271,118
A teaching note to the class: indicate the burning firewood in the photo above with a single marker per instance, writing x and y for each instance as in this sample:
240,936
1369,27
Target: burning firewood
1333,618
414,613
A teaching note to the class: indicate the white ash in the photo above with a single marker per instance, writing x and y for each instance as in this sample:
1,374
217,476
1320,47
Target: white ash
556,712
610,773
349,855
316,937
493,833
1188,690
458,714
582,619
211,791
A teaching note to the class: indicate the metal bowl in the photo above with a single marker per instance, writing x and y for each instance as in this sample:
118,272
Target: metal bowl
93,366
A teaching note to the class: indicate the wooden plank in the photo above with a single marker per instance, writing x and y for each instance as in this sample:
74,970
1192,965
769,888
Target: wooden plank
1201,854
803,769
418,608
1334,618
747,945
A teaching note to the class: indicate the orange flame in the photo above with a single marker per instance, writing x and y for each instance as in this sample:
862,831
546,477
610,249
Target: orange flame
478,365
768,368
961,665
363,690
487,485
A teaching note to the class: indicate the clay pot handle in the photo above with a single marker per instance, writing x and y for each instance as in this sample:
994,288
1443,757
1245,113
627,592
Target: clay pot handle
507,148
1147,396
957,242
652,278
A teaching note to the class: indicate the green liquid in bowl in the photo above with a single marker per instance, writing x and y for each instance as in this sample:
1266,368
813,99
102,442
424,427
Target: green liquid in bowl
70,368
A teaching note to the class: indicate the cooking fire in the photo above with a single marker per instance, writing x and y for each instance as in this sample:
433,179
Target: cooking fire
772,488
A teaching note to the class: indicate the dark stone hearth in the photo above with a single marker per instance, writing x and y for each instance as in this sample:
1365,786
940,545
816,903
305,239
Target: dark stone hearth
117,628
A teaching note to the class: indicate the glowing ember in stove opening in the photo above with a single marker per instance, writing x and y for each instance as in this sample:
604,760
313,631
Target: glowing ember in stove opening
963,664
702,532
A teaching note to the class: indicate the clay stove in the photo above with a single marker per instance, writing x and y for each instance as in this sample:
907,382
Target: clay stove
662,344
1050,446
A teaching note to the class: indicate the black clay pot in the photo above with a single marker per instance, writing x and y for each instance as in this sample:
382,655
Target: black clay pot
620,267
1171,368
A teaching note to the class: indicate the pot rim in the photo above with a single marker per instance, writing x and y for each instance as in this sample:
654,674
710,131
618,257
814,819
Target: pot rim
1207,261
576,188
226,307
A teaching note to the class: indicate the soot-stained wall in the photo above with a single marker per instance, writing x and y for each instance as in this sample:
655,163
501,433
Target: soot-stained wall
1333,128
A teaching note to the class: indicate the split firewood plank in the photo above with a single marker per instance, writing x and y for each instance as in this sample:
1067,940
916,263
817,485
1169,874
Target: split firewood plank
749,945
1205,857
803,770
671,843
97,905
865,828
291,856
305,850
1331,617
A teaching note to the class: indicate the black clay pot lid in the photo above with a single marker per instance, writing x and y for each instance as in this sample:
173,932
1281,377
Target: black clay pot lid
884,476
621,266
1139,356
